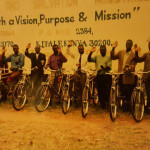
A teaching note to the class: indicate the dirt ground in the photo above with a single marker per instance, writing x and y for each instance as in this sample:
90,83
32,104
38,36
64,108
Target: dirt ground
52,130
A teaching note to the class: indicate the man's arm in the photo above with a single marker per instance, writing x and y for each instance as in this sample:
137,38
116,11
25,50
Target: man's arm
48,63
139,59
4,59
90,59
114,56
70,43
62,58
27,51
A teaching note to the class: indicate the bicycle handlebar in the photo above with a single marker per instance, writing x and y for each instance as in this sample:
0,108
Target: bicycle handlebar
115,73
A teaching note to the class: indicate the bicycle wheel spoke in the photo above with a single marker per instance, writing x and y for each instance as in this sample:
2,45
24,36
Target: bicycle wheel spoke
137,102
42,98
19,98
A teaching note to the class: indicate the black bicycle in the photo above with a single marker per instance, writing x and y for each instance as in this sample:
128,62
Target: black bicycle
19,92
67,90
138,98
115,99
89,92
47,91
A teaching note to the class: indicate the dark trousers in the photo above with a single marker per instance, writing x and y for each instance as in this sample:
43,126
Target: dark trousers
103,83
36,78
79,83
126,89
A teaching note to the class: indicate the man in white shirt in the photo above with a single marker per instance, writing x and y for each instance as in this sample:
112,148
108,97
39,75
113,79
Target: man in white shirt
78,62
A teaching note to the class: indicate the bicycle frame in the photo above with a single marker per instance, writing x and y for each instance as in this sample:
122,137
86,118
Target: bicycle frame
140,85
47,82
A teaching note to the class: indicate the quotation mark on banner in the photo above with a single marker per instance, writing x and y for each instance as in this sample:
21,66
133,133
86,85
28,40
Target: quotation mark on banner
136,8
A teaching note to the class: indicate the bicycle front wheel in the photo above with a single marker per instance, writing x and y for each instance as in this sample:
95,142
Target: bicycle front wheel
85,103
113,104
19,97
137,105
42,98
65,99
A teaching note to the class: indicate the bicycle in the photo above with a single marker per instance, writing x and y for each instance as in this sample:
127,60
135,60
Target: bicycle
115,98
89,92
19,92
44,93
67,91
138,100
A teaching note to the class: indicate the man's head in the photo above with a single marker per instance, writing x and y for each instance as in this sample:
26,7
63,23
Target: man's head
103,50
81,49
55,49
16,49
149,45
37,49
129,44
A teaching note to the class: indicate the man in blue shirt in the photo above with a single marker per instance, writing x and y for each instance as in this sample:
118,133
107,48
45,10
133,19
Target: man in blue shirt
17,61
103,65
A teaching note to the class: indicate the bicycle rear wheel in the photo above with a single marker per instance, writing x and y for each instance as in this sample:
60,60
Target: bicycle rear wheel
42,98
85,102
19,97
65,99
113,105
137,105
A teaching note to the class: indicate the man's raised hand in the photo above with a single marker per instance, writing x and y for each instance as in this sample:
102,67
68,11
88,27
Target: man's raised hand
93,49
136,48
28,46
115,44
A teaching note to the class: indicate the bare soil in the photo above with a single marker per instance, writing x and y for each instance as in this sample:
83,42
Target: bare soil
52,130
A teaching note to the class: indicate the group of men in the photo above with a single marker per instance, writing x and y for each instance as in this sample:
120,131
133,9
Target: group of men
127,60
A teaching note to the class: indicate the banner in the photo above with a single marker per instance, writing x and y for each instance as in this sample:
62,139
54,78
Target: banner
90,22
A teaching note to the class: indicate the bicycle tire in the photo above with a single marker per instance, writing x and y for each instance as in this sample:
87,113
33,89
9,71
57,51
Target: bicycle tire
19,97
113,105
65,99
42,98
85,102
137,105
95,96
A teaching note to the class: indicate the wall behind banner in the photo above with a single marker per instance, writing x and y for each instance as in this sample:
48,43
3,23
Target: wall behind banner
91,22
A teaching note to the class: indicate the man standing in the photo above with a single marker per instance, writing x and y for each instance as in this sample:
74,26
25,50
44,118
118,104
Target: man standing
38,61
103,65
127,82
80,74
55,61
17,62
146,77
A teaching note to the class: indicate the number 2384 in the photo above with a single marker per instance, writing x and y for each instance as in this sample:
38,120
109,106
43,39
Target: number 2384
84,31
